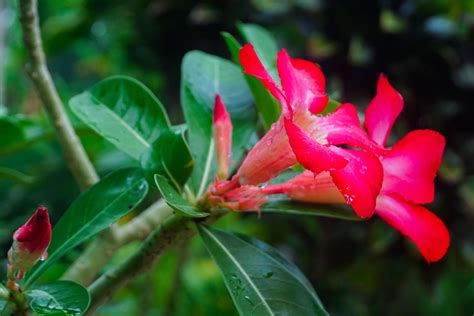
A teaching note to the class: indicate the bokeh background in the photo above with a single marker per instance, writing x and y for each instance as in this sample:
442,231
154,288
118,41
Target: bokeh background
425,47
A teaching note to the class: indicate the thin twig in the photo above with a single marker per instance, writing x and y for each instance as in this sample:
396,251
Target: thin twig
74,153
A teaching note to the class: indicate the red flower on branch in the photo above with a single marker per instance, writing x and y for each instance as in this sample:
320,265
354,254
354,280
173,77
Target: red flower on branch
300,135
409,169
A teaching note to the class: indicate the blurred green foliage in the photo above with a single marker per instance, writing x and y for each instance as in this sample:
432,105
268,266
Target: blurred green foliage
358,268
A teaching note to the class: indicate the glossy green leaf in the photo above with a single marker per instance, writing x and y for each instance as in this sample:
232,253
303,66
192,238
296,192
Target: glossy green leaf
58,298
169,155
286,206
260,281
175,200
123,111
266,47
93,211
204,76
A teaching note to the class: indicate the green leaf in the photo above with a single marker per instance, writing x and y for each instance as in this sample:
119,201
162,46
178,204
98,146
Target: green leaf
123,111
175,200
268,107
7,308
286,206
264,44
233,45
18,131
16,175
93,211
169,155
204,76
331,106
59,298
4,294
259,280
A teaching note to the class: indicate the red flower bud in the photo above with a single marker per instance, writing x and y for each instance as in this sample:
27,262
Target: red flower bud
222,138
30,242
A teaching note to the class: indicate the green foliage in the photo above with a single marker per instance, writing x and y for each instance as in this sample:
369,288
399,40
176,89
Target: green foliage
175,200
123,111
94,210
204,76
3,304
331,106
259,280
58,298
18,131
265,45
169,155
285,206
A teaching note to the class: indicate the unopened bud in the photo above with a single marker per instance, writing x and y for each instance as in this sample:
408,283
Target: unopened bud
222,138
30,243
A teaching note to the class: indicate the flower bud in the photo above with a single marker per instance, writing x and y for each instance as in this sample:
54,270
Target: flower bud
30,242
222,138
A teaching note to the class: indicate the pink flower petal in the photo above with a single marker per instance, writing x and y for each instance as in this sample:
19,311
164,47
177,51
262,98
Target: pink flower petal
343,127
244,198
268,158
310,153
382,111
411,166
307,187
360,181
254,67
303,83
222,137
424,228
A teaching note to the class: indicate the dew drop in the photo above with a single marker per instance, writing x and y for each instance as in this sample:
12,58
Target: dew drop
349,198
247,298
268,275
236,284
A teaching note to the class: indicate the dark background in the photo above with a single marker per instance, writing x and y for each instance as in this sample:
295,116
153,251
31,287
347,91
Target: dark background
425,47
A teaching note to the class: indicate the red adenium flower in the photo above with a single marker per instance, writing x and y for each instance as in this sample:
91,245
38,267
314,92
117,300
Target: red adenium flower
409,169
301,136
30,242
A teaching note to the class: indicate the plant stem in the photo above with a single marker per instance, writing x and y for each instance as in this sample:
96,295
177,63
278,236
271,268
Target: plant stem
170,306
173,231
20,302
98,253
73,151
